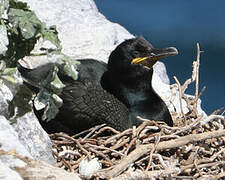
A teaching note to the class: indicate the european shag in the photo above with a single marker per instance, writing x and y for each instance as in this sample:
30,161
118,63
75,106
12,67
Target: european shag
129,77
113,94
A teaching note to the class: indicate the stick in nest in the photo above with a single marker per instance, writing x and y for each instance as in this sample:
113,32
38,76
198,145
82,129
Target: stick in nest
143,149
197,64
195,77
181,94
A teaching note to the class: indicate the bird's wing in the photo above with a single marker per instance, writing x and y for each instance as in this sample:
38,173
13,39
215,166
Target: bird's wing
90,104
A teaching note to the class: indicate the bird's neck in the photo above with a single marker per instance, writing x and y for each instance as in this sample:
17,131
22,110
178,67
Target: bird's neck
136,79
143,95
131,89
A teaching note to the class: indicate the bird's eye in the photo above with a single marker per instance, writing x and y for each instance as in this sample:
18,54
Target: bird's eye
135,53
152,54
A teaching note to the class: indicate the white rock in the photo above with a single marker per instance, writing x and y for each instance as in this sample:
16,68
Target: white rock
83,31
8,174
34,138
9,138
3,40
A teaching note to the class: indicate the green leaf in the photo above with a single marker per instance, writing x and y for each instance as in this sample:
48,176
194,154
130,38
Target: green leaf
51,35
56,85
52,82
22,30
10,75
41,99
18,36
20,103
68,66
9,71
2,66
4,6
18,5
50,111
26,22
50,102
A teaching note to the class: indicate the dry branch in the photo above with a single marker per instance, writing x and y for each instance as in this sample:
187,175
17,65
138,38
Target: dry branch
146,174
197,76
144,149
180,98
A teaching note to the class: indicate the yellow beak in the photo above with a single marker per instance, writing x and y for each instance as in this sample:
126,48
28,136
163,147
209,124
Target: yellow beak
156,54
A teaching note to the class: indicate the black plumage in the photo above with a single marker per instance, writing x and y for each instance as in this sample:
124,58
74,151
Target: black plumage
129,79
113,94
87,104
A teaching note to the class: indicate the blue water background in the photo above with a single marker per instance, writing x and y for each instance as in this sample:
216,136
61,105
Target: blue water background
181,24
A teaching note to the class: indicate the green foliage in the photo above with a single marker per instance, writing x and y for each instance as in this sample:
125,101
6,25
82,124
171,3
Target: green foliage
51,86
23,30
51,34
25,23
52,82
8,74
20,32
4,5
21,103
48,101
68,66
18,5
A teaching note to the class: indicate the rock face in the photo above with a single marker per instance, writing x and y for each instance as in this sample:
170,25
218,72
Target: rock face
17,167
25,135
8,173
34,138
3,105
9,138
83,31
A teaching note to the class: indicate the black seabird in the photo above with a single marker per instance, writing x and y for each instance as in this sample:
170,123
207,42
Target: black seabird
114,95
129,78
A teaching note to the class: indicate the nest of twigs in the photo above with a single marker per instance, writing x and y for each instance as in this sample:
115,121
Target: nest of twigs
194,149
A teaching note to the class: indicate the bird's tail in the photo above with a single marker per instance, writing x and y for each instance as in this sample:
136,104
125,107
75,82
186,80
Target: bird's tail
36,75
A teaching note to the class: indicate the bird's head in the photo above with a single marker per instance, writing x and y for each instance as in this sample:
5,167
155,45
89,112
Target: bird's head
137,53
